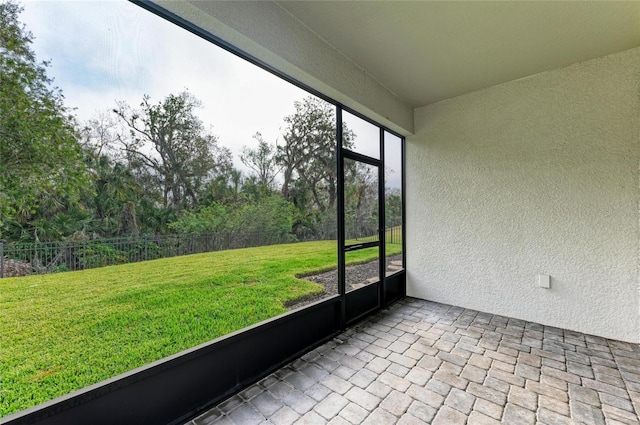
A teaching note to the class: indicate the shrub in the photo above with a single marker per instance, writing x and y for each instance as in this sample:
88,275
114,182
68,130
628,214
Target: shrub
97,255
144,250
60,269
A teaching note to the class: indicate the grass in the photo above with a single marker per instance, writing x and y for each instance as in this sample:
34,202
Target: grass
62,332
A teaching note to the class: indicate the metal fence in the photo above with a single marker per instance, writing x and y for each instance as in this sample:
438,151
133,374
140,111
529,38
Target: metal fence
46,257
20,259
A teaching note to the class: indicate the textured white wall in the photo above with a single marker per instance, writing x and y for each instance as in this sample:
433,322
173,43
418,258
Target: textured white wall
539,175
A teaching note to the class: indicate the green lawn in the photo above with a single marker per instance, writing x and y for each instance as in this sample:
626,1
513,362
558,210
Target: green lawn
62,332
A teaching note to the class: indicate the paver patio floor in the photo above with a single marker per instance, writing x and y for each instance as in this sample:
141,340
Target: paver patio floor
423,362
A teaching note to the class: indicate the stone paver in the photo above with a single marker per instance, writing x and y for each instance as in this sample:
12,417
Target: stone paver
420,362
354,414
331,406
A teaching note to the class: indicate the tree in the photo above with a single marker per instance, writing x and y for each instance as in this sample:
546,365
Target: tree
100,135
262,161
225,188
310,131
308,159
40,156
128,224
235,176
114,185
169,142
361,199
393,207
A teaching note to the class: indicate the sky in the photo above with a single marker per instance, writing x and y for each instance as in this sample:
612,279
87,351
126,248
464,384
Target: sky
107,51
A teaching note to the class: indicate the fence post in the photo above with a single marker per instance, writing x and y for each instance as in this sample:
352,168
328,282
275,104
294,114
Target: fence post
1,259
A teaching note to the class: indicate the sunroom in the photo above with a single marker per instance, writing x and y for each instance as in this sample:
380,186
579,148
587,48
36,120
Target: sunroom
516,130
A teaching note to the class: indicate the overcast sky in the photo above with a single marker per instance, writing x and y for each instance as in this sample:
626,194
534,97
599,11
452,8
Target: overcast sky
105,51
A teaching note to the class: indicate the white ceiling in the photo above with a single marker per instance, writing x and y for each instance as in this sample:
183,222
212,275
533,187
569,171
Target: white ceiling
428,51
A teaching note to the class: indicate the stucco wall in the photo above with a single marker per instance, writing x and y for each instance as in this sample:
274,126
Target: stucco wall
535,176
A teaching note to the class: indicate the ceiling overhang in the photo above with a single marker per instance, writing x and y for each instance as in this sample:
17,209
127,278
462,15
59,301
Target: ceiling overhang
267,32
385,58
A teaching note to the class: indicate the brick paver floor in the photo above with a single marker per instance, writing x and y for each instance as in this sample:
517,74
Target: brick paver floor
423,362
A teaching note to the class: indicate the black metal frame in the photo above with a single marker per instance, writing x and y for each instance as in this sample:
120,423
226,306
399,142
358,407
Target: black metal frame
173,389
179,387
361,302
382,223
358,246
395,285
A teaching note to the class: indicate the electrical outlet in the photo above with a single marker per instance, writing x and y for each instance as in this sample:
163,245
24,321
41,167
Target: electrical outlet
544,281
